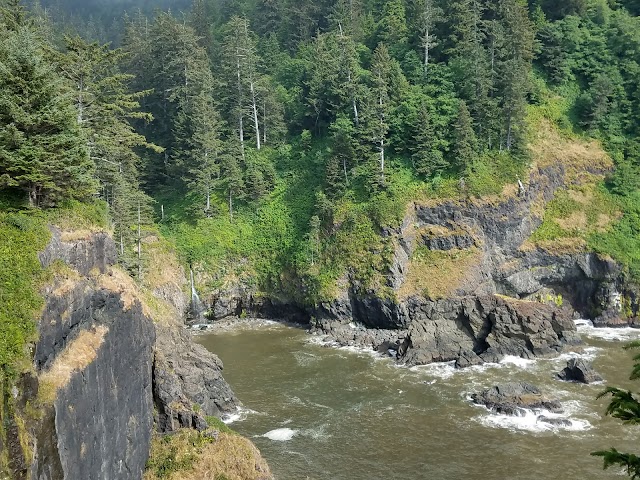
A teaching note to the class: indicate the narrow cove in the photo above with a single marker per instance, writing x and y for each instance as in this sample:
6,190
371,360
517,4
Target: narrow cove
337,413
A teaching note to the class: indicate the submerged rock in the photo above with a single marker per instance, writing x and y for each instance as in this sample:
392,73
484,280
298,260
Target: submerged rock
579,370
514,398
556,422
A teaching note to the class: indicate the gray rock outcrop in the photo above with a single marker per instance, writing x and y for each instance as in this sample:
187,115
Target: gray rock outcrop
513,398
579,370
102,365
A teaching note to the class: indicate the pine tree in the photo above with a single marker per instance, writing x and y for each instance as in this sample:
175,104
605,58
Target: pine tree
232,177
105,107
465,143
515,54
624,406
42,150
430,14
427,159
380,69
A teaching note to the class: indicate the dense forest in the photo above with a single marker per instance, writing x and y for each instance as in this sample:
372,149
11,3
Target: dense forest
279,139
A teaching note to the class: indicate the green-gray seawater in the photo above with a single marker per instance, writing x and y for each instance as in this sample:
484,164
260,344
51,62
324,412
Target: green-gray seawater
318,412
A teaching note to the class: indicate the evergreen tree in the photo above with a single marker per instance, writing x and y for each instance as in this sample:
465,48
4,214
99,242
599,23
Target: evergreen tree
515,54
624,406
429,14
465,144
380,69
42,150
427,159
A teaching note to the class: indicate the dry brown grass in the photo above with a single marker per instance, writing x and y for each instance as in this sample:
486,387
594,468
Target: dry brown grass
575,221
76,356
65,282
118,281
72,236
563,246
549,146
231,457
438,274
163,267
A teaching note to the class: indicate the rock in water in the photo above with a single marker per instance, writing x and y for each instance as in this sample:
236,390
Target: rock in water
513,398
579,370
556,422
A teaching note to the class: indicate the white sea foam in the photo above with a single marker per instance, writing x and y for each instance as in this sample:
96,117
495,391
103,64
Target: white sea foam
442,370
305,359
587,353
517,361
317,433
531,422
239,415
622,334
281,434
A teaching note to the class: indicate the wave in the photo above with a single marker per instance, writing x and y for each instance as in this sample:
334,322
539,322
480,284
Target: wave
281,434
622,334
239,415
533,421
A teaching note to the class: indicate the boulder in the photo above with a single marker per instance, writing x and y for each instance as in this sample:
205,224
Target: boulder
579,370
513,398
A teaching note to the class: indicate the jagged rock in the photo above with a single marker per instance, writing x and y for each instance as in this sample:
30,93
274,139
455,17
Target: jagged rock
188,382
99,423
448,242
579,370
556,422
513,398
95,251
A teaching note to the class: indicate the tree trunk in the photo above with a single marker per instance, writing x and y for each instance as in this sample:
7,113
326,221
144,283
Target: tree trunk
230,206
254,109
240,121
139,244
344,167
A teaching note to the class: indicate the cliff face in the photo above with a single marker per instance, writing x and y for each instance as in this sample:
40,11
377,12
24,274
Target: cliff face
467,285
465,282
102,365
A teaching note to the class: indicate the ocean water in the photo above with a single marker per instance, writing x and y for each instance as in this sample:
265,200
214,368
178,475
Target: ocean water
321,412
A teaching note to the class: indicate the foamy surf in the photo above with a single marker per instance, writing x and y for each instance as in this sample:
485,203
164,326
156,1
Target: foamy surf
281,434
531,421
239,415
622,334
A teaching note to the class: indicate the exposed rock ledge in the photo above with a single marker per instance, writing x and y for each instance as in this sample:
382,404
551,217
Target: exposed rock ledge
469,330
101,366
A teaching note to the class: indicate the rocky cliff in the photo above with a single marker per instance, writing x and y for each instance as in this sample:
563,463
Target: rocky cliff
105,368
467,283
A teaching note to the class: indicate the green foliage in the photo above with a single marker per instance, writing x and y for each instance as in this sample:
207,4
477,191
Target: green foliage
623,406
42,150
216,423
21,237
167,458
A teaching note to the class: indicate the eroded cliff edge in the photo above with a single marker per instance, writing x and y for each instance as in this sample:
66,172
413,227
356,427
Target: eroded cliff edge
111,364
465,279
